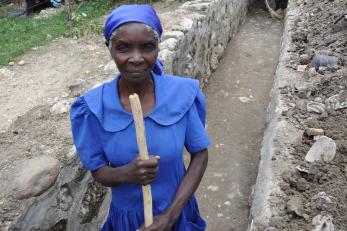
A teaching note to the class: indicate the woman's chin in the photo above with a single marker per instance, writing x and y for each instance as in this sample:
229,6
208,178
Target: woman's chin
136,77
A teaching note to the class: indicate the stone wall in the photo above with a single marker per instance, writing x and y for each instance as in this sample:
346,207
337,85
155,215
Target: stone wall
191,47
194,46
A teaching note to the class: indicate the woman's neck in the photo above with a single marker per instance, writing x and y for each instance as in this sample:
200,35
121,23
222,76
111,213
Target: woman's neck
127,88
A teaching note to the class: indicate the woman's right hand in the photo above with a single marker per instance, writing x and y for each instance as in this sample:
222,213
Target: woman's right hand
142,171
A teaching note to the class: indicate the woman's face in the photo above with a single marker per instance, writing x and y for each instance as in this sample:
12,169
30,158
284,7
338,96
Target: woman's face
134,50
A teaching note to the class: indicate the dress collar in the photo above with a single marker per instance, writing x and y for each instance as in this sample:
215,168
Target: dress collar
173,97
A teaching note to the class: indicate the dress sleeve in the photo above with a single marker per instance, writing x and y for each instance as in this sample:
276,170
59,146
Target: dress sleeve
196,136
85,132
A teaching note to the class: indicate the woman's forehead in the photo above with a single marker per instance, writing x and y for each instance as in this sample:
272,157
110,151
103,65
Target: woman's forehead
128,28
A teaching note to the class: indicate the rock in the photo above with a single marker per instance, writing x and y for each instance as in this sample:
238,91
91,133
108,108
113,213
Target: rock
110,68
301,68
337,102
315,107
324,61
61,107
21,63
295,206
196,7
172,34
304,59
167,58
321,201
301,104
323,149
187,24
301,185
11,63
220,215
312,72
323,223
314,131
76,87
170,44
35,176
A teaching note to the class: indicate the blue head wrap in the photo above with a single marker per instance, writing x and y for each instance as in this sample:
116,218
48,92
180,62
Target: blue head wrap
134,13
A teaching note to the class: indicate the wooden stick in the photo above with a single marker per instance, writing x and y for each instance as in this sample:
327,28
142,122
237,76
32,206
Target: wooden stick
141,143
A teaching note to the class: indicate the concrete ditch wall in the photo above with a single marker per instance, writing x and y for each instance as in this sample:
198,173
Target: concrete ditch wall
267,201
191,47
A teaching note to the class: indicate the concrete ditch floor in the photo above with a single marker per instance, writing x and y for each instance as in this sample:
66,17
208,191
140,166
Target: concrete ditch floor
237,97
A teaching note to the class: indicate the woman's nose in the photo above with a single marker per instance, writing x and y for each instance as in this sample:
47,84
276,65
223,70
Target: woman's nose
136,57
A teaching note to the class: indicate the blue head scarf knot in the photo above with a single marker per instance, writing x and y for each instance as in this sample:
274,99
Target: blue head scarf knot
134,13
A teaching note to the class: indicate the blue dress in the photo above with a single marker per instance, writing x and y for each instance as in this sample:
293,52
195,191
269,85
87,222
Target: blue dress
104,134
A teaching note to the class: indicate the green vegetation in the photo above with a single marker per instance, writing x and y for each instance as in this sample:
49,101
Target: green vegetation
20,34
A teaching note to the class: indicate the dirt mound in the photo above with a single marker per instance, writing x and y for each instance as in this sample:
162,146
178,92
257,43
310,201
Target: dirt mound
318,189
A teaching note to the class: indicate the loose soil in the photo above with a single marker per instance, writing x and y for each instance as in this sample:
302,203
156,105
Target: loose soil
321,27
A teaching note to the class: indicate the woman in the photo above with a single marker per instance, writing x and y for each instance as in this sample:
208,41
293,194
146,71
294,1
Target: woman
174,117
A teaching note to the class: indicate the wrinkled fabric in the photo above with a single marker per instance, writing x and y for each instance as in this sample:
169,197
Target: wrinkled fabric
134,13
104,134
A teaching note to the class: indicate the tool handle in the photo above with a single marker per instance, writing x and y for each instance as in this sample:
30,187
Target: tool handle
143,152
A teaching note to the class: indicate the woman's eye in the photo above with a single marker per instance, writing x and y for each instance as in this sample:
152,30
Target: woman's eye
149,47
123,48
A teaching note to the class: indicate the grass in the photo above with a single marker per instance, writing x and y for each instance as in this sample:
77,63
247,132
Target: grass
20,34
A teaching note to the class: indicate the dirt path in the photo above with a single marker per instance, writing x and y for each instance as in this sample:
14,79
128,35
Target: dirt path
236,124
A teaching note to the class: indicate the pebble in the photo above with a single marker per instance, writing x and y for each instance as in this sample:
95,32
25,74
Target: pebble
315,107
244,99
323,149
301,68
11,63
21,63
228,203
213,188
220,215
216,174
314,131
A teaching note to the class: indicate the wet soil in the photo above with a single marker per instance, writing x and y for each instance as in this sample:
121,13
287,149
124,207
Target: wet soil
237,97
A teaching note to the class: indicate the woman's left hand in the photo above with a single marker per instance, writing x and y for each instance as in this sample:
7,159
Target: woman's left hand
161,223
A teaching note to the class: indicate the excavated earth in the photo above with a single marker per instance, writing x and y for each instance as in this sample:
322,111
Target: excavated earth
319,188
